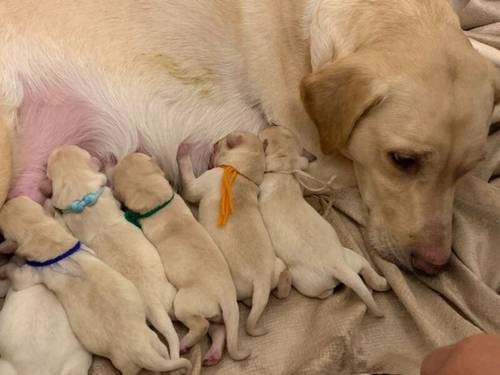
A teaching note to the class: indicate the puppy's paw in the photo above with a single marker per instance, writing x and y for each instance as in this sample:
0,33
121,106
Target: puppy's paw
184,150
184,349
212,357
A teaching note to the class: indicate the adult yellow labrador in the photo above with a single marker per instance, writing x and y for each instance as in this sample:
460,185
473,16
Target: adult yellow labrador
397,93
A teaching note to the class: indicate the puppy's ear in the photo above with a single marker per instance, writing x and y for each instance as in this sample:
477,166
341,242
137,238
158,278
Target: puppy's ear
234,140
309,156
337,97
8,247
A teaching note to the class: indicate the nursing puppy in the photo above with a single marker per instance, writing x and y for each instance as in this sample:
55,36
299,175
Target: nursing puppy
36,338
117,242
192,261
104,309
242,236
305,241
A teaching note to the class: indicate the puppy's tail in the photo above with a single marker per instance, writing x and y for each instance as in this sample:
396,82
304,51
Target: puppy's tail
6,368
231,315
261,290
151,360
159,318
352,280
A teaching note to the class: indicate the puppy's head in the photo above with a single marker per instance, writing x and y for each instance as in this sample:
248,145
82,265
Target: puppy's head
243,151
30,231
139,182
283,150
413,124
72,172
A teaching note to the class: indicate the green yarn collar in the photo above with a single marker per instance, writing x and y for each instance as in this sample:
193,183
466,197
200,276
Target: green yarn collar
135,217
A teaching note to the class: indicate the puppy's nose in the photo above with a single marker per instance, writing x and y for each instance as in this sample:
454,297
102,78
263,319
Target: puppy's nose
430,266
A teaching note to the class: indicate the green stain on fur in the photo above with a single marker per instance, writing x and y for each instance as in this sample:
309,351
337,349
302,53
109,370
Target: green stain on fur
200,78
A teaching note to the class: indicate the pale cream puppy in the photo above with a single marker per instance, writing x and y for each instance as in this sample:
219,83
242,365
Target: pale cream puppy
36,338
306,242
117,242
243,239
104,309
191,259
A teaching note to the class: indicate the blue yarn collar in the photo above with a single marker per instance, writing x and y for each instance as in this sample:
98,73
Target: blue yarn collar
46,263
79,205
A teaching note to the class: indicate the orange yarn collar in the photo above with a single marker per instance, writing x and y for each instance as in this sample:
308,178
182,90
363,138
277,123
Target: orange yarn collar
226,200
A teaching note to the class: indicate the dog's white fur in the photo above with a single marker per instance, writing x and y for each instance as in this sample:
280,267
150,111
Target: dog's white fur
36,338
192,261
151,74
117,242
104,309
243,240
306,242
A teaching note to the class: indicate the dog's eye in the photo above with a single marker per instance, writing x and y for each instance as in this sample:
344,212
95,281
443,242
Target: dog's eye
405,162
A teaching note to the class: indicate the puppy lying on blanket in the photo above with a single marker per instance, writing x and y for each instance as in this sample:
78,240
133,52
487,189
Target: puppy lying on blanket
192,261
104,309
100,224
305,241
240,233
36,338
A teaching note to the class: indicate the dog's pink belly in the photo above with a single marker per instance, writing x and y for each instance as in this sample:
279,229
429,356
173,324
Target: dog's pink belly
46,122
51,118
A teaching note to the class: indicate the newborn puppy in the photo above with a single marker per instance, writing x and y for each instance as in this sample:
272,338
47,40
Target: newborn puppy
192,261
117,242
231,216
36,338
104,309
305,241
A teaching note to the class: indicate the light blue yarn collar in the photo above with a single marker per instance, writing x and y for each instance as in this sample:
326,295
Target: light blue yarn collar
79,205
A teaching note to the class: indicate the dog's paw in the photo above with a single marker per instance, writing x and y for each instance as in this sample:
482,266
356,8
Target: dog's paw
212,357
183,150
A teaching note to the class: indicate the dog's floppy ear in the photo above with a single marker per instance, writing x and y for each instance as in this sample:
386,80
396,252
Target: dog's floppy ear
337,96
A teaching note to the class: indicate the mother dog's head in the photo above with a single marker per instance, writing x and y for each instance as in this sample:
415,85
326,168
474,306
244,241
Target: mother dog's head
413,123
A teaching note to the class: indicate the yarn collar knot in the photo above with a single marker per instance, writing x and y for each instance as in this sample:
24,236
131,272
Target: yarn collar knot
226,207
57,259
79,205
135,217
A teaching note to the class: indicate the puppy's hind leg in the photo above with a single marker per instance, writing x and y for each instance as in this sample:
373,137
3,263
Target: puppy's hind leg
217,333
361,265
352,280
185,311
158,317
261,290
282,280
